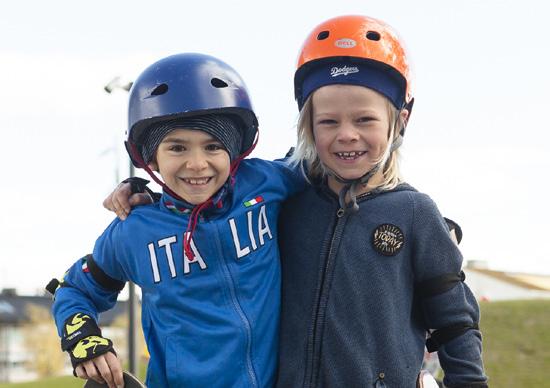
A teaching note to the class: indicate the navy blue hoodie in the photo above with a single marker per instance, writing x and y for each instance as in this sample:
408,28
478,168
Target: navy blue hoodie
350,315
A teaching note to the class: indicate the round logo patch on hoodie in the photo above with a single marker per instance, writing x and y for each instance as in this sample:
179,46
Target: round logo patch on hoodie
388,239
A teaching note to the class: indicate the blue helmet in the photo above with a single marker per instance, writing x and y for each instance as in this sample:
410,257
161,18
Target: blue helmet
185,85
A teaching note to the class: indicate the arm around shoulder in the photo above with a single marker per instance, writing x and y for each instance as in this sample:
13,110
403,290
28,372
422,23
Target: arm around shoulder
292,174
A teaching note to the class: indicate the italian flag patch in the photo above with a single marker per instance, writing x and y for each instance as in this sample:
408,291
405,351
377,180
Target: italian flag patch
253,201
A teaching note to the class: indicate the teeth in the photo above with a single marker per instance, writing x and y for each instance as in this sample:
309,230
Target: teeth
196,181
350,155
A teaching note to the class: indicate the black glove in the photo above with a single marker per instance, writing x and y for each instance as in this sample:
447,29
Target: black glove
88,348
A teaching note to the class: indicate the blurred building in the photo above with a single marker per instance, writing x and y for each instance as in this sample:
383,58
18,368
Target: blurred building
491,285
14,314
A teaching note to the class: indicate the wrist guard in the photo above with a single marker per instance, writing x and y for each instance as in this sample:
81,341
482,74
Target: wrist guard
82,339
88,348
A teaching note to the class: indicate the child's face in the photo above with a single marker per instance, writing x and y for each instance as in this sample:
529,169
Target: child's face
192,163
350,127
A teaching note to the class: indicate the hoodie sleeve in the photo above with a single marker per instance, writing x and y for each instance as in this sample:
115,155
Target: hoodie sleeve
92,283
447,303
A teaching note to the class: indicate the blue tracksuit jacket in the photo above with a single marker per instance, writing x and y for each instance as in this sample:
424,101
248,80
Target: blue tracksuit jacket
210,322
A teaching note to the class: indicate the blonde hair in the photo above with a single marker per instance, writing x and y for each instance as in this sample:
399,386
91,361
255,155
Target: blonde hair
305,153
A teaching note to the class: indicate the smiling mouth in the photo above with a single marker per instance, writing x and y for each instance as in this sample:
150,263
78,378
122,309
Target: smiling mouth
349,155
196,181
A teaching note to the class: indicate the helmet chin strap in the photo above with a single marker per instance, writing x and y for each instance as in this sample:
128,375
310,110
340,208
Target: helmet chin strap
351,185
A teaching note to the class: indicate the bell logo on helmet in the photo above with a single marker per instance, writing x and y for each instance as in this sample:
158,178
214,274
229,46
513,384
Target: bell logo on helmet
345,43
345,70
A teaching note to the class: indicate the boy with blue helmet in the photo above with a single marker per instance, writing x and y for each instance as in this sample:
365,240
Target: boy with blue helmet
205,255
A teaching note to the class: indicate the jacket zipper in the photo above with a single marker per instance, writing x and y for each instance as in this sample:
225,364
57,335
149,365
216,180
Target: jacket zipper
318,318
242,316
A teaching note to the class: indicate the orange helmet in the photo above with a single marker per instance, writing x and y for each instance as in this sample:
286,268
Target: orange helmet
363,47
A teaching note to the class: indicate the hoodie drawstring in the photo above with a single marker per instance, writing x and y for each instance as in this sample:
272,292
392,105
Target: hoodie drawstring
191,226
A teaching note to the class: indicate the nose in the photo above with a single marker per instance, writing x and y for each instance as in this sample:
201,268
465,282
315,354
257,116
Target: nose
197,161
347,133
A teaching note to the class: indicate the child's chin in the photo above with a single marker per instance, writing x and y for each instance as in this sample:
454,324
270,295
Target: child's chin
197,198
351,177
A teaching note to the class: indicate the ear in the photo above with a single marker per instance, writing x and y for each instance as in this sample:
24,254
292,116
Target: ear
408,108
404,115
153,166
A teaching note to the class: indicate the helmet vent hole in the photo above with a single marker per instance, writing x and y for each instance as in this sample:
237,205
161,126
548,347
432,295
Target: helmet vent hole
323,35
160,89
373,35
218,83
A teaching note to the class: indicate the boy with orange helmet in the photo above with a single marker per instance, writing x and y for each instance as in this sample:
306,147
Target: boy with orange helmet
373,270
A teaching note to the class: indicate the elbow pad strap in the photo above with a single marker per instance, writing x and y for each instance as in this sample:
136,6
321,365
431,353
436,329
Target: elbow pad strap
439,284
52,286
442,336
55,284
102,278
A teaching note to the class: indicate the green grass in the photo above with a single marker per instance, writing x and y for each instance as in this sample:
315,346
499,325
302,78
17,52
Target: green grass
516,347
516,343
64,381
53,382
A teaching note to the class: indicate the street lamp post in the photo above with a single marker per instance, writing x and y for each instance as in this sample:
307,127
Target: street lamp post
117,83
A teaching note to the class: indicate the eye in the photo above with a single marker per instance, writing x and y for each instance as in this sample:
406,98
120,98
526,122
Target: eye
365,119
214,147
326,122
176,148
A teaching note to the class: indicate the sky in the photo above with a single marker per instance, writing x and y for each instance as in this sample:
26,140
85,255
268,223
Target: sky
476,143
